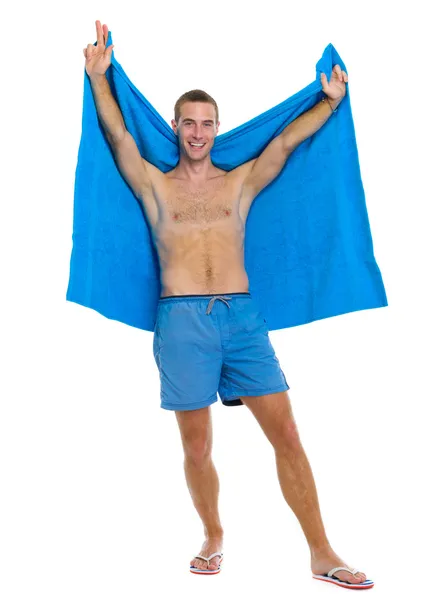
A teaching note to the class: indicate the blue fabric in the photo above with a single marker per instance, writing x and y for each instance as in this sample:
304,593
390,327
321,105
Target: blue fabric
308,247
226,339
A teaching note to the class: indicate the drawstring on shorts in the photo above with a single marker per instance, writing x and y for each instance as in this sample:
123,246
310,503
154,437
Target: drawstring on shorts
212,301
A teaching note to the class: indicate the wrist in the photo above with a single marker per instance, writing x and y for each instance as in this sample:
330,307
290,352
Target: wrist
96,78
333,103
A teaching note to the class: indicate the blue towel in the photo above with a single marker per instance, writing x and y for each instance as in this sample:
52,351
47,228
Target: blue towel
308,246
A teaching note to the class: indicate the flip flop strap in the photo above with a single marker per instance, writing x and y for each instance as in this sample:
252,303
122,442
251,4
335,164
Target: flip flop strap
352,571
209,558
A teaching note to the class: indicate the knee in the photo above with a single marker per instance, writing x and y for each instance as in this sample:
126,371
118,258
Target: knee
197,450
287,438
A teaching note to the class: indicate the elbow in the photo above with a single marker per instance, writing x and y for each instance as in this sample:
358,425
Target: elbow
290,142
117,137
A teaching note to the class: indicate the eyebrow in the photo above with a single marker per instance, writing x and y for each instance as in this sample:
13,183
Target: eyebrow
204,121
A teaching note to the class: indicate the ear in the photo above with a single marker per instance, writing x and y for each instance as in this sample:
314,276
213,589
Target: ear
174,126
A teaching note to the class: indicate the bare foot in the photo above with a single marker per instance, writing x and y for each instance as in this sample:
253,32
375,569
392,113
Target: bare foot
323,563
211,545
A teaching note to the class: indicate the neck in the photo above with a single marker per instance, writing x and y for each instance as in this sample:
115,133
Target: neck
195,170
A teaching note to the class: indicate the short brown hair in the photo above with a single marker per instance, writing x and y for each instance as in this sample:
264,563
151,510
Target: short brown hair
194,96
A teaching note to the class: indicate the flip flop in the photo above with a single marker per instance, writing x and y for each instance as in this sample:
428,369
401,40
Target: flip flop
208,559
365,585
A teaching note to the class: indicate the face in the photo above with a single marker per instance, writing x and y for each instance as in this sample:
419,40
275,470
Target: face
196,129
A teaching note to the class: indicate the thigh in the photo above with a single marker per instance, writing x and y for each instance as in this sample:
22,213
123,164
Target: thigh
250,366
274,415
188,355
195,428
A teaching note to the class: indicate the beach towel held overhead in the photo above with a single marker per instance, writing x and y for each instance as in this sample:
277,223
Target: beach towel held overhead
308,245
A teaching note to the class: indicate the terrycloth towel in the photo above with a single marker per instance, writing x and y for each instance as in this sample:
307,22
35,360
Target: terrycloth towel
308,247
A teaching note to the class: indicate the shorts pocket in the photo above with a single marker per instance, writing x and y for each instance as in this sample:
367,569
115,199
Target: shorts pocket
156,347
252,320
157,337
258,326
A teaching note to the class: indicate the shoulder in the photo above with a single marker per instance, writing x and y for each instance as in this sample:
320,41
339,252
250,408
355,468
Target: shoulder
155,174
240,173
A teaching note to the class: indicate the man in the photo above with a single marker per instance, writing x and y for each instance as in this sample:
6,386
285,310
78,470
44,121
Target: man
209,333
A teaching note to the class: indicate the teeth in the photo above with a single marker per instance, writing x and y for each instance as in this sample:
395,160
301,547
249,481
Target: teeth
198,145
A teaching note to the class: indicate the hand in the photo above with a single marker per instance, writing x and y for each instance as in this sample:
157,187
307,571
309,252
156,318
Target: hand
336,88
98,58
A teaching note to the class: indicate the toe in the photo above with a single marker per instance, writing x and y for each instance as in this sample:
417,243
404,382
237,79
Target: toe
214,564
197,562
358,578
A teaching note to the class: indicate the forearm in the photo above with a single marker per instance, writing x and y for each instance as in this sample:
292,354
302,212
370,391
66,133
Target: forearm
108,110
308,123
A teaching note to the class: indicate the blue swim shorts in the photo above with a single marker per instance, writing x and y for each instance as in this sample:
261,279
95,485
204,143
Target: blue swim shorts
208,343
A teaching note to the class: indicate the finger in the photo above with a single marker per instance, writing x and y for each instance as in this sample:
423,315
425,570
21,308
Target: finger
84,52
323,81
99,36
346,77
89,51
337,70
109,51
105,30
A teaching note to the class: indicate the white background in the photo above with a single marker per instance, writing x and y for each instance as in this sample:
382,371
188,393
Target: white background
94,502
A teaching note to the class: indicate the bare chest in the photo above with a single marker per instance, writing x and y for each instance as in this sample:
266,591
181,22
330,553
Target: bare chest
214,203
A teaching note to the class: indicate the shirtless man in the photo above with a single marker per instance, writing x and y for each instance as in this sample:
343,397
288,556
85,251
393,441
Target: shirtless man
209,331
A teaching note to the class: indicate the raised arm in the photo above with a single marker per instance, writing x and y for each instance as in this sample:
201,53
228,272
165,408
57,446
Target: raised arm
258,173
136,171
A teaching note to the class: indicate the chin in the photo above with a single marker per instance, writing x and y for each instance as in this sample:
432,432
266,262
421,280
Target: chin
197,158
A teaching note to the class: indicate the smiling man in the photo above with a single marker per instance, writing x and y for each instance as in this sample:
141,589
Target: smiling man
210,335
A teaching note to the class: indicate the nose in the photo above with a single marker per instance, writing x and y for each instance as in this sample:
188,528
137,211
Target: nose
197,131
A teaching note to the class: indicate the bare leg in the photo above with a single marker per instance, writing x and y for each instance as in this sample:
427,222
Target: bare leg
274,414
202,479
